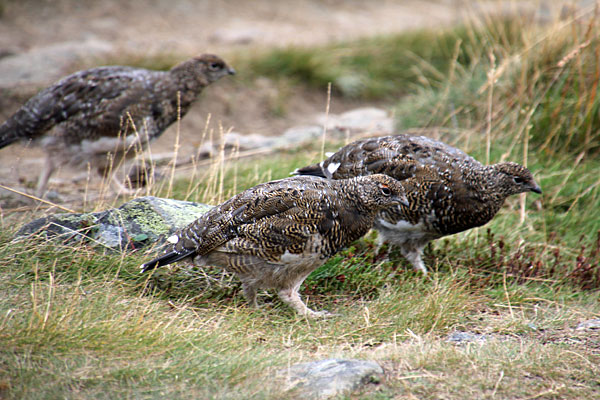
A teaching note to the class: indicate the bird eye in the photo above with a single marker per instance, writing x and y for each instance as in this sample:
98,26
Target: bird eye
386,191
518,180
215,66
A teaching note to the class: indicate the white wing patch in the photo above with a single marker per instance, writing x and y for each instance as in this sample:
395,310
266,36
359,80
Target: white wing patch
333,167
173,239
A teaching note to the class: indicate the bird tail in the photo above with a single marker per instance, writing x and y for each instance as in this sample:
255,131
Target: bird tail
312,170
165,259
8,134
26,123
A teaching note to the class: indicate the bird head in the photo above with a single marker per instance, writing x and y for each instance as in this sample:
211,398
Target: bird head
381,191
207,67
514,178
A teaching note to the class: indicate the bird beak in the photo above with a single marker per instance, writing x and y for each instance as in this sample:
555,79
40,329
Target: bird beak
231,71
536,189
403,200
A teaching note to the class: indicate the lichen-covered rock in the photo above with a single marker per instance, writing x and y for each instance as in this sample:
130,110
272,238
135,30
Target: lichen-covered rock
134,224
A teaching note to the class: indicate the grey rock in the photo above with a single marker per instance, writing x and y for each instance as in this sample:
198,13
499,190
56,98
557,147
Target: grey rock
248,142
327,378
234,141
350,84
302,133
352,122
459,337
367,119
137,223
41,66
588,325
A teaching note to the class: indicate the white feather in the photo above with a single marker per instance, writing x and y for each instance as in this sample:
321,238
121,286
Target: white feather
333,167
173,239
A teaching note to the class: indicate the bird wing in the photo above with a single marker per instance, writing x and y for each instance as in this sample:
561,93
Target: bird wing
399,156
274,214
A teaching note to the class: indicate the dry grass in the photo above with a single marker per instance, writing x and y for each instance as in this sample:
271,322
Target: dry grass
77,323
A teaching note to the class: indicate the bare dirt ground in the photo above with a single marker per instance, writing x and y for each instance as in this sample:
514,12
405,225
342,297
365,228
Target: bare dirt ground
190,27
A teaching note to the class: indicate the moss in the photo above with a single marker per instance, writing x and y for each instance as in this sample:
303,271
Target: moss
179,214
142,217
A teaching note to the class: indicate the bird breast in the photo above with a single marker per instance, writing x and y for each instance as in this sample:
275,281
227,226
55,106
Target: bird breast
401,230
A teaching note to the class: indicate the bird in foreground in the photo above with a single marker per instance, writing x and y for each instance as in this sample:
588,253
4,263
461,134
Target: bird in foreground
272,236
448,191
102,115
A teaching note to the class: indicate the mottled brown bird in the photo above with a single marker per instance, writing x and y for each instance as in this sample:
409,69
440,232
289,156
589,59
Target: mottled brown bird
448,191
100,115
275,234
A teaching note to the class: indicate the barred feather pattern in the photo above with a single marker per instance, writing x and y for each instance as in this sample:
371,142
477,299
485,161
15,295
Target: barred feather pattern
448,191
274,234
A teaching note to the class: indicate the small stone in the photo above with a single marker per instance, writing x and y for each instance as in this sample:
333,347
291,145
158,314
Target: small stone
53,195
327,378
532,326
588,325
459,337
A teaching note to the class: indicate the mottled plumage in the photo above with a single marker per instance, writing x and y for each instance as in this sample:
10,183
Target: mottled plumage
108,110
275,234
448,191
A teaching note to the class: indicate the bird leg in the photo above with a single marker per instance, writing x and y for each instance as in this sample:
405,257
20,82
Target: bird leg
410,249
291,297
49,168
412,252
250,293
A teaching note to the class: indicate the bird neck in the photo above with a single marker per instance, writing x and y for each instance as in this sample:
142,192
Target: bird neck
487,188
187,78
354,193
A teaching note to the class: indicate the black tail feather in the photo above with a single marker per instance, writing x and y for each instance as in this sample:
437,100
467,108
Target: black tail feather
7,135
312,170
165,259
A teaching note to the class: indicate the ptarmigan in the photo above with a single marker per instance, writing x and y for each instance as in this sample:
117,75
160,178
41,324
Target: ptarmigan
100,115
448,191
272,236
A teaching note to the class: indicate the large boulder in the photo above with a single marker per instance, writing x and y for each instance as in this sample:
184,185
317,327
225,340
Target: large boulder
134,224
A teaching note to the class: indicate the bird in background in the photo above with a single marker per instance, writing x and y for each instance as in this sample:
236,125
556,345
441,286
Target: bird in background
272,236
448,191
102,115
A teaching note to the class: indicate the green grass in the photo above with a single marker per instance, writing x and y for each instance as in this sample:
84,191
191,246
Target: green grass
383,66
78,323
